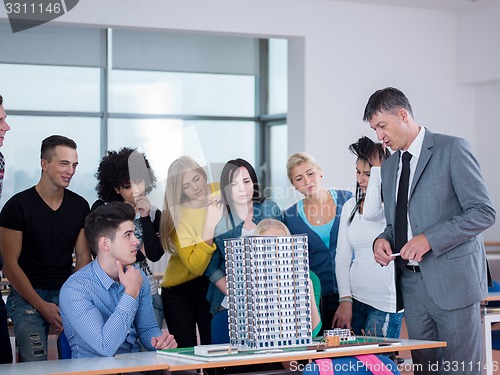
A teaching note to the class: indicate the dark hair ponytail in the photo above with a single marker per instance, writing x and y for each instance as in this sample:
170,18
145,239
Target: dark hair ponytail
365,149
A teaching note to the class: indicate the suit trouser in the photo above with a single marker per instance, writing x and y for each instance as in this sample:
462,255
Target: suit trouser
460,328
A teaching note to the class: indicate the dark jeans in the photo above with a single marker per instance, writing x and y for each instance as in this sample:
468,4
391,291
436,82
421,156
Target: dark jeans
5,348
328,305
185,306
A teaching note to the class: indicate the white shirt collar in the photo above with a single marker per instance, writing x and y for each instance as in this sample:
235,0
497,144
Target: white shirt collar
416,146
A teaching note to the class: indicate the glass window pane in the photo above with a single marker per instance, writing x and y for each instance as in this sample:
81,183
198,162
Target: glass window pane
210,143
280,188
278,76
50,88
181,93
22,152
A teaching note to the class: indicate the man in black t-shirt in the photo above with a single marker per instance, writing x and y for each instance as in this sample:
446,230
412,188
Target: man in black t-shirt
5,348
39,230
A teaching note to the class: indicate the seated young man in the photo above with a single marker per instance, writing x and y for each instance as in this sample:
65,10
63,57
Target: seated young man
106,307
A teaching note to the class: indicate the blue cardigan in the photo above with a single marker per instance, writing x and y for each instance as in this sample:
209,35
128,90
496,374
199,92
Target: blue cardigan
321,258
216,269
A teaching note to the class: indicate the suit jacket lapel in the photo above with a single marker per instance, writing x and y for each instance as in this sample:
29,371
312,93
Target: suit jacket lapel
389,192
425,155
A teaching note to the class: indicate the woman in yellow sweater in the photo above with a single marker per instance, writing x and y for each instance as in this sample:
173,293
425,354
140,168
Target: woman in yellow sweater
192,209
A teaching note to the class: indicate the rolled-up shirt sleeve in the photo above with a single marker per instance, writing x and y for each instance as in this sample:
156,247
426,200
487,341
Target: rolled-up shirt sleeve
373,208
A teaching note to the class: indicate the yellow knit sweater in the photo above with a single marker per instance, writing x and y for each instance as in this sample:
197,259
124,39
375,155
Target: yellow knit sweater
193,254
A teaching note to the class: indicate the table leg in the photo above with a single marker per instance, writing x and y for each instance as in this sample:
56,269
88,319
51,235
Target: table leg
487,357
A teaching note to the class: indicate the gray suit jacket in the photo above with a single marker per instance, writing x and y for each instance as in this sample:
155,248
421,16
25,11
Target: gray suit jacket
450,205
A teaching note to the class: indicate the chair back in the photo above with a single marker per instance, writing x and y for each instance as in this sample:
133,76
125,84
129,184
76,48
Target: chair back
220,328
63,348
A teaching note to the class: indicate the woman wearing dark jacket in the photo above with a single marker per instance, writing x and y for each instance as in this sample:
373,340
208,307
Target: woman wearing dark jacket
318,216
244,208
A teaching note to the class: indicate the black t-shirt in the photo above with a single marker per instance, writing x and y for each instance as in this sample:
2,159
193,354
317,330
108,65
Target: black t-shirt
49,236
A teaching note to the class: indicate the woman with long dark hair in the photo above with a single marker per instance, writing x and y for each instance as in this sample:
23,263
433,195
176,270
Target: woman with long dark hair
244,208
367,291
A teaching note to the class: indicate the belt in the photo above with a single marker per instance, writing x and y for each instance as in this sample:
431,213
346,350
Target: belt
413,268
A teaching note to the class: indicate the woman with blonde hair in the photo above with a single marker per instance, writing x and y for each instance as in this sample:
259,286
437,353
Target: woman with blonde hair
271,227
318,216
192,209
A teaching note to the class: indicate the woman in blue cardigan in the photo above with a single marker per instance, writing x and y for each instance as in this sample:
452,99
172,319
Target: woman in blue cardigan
317,215
244,208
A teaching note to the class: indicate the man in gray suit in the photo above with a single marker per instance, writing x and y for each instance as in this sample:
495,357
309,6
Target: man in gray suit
441,273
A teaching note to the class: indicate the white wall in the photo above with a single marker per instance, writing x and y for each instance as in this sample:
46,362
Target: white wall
359,49
479,52
488,146
340,53
479,68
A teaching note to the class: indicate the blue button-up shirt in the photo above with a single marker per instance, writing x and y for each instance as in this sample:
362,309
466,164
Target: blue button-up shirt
100,319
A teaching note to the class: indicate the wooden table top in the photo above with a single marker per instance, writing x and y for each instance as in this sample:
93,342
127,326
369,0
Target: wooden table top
147,361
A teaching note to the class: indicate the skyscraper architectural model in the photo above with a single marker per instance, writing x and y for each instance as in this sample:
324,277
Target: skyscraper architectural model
268,291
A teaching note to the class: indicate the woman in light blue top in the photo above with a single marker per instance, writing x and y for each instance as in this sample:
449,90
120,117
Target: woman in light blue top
317,215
